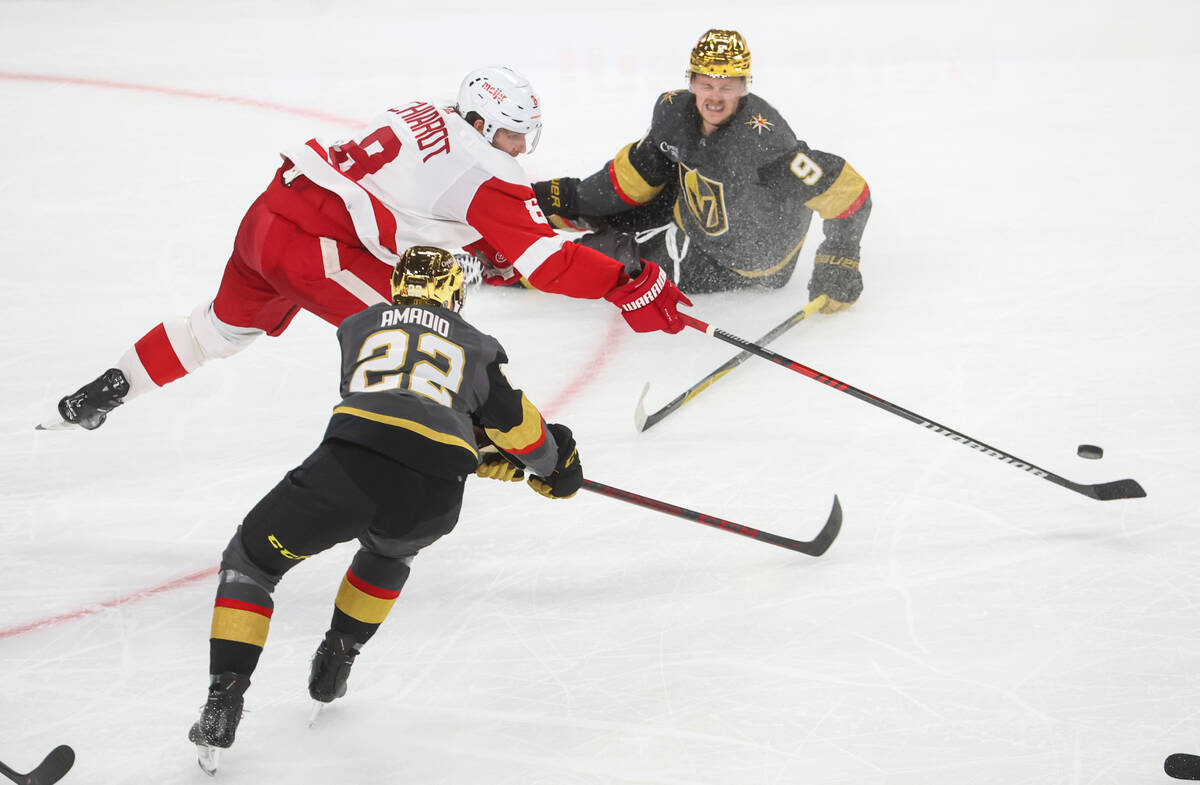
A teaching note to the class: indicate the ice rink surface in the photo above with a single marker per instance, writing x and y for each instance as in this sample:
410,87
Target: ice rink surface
1031,279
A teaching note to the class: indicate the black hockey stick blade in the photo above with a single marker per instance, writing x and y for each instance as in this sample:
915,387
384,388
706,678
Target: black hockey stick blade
1182,766
814,547
1107,491
51,770
1119,489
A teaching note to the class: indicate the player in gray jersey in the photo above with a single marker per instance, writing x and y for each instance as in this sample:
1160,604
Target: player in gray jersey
421,389
720,192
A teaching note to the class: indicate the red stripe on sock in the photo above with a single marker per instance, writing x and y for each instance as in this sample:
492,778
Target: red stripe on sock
238,605
158,358
367,588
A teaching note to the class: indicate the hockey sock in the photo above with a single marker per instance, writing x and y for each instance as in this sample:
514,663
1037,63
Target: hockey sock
241,620
368,592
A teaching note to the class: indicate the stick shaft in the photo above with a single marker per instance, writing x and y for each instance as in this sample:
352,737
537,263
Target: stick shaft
1120,489
646,421
815,547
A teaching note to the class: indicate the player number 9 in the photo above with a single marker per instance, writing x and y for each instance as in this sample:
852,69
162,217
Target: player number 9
806,169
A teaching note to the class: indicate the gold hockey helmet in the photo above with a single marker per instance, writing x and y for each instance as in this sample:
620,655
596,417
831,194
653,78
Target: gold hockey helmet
720,53
430,275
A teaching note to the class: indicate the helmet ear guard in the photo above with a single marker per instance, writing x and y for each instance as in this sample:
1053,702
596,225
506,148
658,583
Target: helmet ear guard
428,276
721,53
503,99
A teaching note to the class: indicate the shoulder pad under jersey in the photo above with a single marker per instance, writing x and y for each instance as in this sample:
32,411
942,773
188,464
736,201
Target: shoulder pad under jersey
495,162
759,120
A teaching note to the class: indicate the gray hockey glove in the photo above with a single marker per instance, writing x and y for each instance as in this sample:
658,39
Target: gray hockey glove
836,275
567,477
556,198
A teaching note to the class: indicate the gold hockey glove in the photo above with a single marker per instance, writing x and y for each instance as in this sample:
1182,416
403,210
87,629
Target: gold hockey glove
495,466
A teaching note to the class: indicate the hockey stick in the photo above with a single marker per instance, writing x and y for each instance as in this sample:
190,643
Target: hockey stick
814,547
51,770
1105,491
644,421
1182,766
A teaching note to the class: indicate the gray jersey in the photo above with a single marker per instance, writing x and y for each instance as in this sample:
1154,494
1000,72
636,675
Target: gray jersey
416,379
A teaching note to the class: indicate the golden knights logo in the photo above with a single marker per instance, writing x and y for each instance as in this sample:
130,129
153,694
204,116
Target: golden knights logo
705,199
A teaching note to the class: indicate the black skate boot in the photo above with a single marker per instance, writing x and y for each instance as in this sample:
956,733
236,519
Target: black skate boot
89,406
219,719
331,666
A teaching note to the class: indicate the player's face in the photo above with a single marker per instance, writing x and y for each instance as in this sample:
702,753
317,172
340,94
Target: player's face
717,98
508,141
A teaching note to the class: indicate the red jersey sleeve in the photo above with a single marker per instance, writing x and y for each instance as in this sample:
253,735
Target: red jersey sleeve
508,217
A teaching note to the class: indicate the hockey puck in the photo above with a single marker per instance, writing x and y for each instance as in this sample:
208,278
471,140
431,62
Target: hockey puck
1090,451
1182,766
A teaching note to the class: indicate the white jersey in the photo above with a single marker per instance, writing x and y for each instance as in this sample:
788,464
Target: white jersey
412,180
421,175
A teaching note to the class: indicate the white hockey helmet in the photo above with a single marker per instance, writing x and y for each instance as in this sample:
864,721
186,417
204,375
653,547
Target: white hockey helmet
504,99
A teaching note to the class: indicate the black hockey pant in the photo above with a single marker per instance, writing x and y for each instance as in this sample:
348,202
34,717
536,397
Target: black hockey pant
341,492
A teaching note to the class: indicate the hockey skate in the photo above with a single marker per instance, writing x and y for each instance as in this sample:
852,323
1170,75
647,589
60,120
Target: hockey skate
330,669
217,726
89,406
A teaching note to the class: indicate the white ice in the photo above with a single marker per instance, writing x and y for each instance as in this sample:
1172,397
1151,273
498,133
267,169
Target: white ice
1031,279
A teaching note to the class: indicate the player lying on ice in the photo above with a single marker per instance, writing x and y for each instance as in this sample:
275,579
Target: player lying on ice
325,235
720,192
389,472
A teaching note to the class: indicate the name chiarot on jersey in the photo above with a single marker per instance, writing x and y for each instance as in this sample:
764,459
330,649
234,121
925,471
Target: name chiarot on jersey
428,126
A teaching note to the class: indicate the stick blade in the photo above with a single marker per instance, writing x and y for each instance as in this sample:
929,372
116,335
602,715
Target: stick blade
54,767
55,424
1183,766
639,414
1118,489
829,533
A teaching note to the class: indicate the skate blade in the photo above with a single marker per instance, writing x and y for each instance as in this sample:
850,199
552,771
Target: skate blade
317,708
208,758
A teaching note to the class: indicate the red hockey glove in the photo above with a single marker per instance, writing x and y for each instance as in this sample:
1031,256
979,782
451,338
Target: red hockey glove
649,302
497,269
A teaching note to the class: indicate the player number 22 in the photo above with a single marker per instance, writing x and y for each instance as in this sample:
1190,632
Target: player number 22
435,378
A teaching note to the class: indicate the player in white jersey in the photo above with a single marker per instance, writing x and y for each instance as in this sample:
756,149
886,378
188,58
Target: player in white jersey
325,233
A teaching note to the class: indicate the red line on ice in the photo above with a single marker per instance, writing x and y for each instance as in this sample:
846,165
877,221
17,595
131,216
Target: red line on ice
588,371
177,92
124,599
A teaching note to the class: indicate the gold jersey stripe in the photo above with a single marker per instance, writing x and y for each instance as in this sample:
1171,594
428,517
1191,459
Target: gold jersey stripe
235,624
774,268
524,436
628,182
844,192
359,605
410,425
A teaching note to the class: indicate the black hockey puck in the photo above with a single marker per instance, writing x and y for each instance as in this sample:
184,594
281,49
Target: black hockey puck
1183,766
1090,451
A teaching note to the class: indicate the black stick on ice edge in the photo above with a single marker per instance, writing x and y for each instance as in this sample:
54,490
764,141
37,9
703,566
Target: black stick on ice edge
1183,766
51,770
1104,491
814,547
